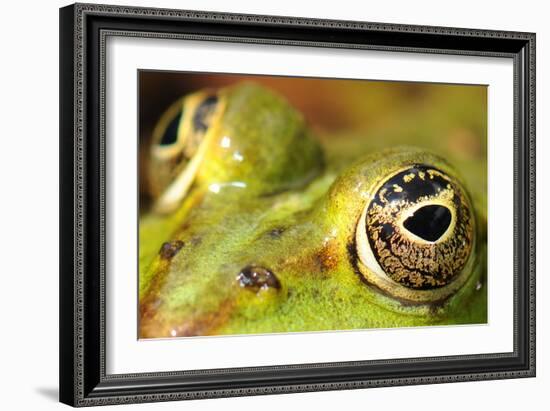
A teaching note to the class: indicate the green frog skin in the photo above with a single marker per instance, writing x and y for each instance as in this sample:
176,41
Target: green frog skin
258,227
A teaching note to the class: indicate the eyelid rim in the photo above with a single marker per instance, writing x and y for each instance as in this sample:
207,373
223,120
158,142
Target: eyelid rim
374,275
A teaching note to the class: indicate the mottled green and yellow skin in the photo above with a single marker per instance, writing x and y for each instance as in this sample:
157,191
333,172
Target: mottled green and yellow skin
289,204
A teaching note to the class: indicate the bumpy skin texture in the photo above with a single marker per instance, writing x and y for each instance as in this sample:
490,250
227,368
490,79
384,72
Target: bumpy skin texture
279,255
261,141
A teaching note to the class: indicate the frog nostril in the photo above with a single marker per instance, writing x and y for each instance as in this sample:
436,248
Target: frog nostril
169,249
257,278
277,232
429,222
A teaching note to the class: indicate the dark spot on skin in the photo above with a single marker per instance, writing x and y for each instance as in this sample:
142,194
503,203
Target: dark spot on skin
255,278
196,240
169,249
315,294
276,232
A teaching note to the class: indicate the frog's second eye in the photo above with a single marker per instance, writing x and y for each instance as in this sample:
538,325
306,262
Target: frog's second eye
415,237
175,150
182,128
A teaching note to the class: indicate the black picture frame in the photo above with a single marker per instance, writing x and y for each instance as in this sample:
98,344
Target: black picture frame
83,30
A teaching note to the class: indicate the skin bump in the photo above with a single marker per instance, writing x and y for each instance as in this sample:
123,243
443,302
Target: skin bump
169,249
256,278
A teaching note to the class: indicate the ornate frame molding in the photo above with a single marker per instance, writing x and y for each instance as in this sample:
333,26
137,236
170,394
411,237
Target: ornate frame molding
84,29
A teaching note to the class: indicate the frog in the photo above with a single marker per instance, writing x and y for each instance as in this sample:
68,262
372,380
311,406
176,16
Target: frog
257,226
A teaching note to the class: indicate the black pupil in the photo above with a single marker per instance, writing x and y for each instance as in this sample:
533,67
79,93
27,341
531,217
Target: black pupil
170,136
429,222
200,118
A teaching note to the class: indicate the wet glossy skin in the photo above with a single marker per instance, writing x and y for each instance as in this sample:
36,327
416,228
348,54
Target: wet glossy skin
266,230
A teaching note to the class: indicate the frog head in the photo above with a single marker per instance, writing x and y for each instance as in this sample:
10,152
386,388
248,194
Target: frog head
390,240
244,137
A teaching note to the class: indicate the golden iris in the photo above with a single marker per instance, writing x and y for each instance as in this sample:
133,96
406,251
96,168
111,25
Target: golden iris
416,235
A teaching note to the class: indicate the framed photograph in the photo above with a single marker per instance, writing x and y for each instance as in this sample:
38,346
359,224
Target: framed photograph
259,204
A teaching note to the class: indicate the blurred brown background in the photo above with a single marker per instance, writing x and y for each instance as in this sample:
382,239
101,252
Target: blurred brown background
448,119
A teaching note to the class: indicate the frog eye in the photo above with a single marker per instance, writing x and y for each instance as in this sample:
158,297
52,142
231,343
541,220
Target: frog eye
182,128
175,150
415,237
